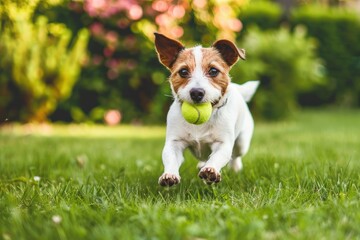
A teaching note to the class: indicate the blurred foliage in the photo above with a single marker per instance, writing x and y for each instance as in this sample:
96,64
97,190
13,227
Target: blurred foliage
122,72
338,34
284,72
265,15
38,68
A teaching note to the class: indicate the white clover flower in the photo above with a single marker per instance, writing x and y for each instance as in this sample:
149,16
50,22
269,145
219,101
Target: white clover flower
37,178
56,219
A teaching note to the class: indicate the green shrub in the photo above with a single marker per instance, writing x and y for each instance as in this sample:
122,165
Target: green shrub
123,72
338,34
265,15
285,63
39,64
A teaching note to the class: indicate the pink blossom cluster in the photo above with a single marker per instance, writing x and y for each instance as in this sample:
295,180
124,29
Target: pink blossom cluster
108,8
165,16
115,24
168,16
224,19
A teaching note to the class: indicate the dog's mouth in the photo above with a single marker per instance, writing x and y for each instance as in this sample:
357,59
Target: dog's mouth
214,103
199,95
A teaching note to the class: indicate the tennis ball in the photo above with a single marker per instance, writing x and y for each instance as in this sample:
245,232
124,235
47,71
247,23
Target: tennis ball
196,113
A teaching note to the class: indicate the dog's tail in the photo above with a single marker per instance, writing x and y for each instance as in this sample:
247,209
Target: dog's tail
248,89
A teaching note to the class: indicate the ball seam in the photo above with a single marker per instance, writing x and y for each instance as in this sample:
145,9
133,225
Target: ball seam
198,118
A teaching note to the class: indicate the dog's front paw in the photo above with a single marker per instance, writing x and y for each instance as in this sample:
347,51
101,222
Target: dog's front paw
209,175
168,180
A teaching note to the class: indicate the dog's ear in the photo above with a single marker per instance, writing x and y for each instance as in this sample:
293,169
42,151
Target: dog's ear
229,52
167,49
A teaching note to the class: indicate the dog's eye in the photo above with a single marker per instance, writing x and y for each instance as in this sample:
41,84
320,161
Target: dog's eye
213,72
184,73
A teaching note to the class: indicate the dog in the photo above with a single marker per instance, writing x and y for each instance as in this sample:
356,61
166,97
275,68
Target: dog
202,75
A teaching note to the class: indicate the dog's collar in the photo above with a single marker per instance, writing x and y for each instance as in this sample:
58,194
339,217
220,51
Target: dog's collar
220,103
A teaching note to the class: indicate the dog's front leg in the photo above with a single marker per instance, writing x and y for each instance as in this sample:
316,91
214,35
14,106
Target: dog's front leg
220,156
172,159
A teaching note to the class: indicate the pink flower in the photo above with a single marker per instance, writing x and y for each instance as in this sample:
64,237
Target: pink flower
112,63
111,37
112,117
108,52
162,19
97,29
94,6
135,12
108,8
234,25
199,3
178,11
160,6
177,32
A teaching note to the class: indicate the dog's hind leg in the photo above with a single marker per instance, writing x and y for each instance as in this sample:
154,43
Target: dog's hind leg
241,147
201,164
236,164
238,152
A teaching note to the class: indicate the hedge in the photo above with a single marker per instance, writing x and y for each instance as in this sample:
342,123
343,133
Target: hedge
136,83
337,32
338,35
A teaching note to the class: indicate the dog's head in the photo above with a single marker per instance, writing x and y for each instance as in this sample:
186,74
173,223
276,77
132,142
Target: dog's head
198,74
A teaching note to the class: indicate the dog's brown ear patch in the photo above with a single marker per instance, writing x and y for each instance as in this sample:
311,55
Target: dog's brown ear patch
229,52
167,49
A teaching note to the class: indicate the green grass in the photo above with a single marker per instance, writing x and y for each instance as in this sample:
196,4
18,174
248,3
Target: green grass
300,181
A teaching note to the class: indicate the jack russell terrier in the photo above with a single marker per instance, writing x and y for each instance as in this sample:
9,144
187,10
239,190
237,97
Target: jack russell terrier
201,75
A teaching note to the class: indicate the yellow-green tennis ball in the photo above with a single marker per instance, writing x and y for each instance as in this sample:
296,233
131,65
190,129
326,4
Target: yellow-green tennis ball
196,113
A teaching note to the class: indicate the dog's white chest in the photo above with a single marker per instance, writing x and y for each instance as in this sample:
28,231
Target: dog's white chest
200,141
201,150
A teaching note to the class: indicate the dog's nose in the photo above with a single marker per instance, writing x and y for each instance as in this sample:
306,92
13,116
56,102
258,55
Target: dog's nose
197,94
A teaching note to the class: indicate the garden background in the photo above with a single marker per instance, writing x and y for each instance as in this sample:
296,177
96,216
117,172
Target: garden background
94,60
68,68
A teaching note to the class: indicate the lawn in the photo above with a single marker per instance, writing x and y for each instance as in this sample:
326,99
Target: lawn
300,181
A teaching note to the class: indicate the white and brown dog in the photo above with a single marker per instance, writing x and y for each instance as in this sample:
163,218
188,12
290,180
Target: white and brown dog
202,75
